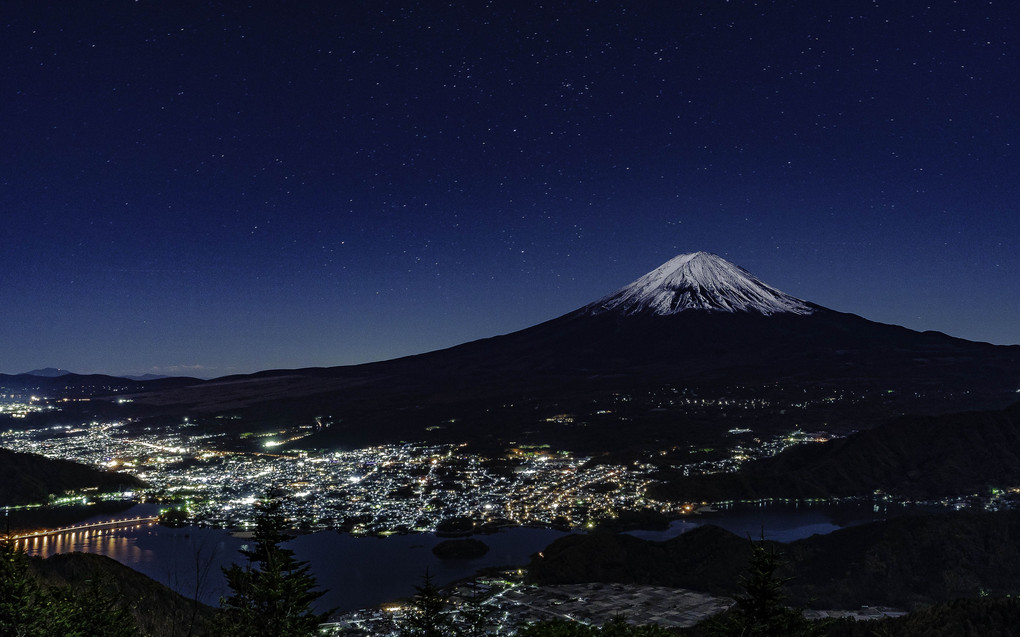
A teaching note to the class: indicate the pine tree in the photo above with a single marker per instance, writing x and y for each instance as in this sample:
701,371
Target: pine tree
273,593
30,609
475,616
93,610
427,616
22,601
762,611
762,608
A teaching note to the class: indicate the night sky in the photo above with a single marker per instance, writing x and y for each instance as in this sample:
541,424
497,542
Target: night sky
205,188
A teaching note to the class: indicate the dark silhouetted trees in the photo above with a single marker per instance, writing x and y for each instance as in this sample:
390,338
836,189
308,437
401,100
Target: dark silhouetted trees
427,616
30,609
761,611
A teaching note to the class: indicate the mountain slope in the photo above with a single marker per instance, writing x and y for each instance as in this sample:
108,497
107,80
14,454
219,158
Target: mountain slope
698,322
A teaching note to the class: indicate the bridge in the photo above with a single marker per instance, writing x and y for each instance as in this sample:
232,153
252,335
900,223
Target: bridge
103,524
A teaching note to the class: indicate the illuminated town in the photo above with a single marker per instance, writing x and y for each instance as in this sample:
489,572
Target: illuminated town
377,490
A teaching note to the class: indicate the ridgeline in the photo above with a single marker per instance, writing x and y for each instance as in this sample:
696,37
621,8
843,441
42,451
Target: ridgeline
27,478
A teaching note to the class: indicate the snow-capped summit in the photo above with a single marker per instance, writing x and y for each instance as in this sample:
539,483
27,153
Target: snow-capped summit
699,281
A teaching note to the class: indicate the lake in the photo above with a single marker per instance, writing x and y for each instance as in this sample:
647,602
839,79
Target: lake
357,572
362,572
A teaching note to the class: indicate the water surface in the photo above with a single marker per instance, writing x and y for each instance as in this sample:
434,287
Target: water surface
356,572
361,572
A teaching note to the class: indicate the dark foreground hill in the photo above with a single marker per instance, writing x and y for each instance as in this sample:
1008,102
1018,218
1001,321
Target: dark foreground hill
905,562
157,610
982,617
27,478
914,456
985,617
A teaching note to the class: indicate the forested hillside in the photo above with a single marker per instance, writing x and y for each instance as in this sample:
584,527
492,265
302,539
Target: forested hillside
906,562
913,456
27,478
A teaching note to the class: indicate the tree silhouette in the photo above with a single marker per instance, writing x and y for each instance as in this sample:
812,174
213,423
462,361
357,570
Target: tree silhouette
31,609
762,611
475,616
22,600
427,615
272,593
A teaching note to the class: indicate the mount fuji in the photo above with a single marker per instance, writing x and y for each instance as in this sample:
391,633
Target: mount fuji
626,370
699,281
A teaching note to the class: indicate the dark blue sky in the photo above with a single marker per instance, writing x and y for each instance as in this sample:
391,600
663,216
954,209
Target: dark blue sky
207,189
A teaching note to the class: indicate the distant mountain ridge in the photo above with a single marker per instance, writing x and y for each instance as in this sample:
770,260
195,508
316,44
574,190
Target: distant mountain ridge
47,372
53,372
71,379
